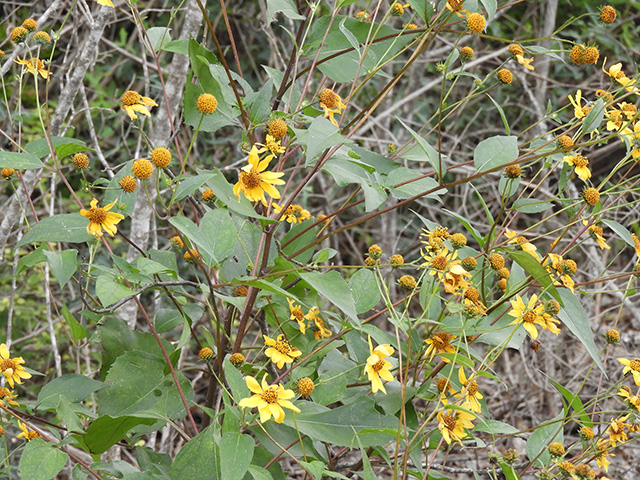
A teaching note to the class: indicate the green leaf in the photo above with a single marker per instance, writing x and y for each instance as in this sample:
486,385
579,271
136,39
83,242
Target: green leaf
19,161
573,401
259,473
106,431
621,231
158,37
41,460
40,148
315,468
532,266
63,265
411,189
332,286
125,201
529,205
77,330
496,104
260,103
236,381
236,453
180,46
32,259
321,135
495,152
340,425
69,228
287,7
426,152
71,387
198,459
594,118
494,427
490,6
542,437
109,291
365,290
140,388
575,318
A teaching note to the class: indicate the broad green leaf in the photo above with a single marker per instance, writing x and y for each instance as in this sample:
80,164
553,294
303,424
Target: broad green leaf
105,431
413,187
68,227
125,201
495,152
490,6
594,118
426,152
260,103
508,470
542,437
71,387
198,459
300,242
41,460
340,425
109,291
259,473
158,37
496,104
365,290
19,161
140,388
532,266
180,46
287,7
40,148
332,286
32,259
315,468
63,265
77,330
236,453
575,318
573,401
622,232
236,381
494,427
529,205
321,135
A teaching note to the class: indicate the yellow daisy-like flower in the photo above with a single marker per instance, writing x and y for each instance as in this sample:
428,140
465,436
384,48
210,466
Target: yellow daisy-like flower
616,430
633,137
377,367
580,163
634,400
254,181
558,267
525,62
319,331
7,395
26,433
636,242
280,351
529,314
271,145
452,424
297,315
616,73
470,391
632,366
268,399
12,368
35,67
596,233
331,103
106,3
294,213
603,453
133,102
101,218
578,110
521,241
440,342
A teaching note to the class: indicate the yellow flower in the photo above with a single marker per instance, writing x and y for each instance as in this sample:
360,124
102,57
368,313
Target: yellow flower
452,423
26,433
318,324
616,73
470,391
294,213
636,242
280,351
578,111
596,233
7,395
106,3
297,315
440,342
631,399
558,266
35,67
632,366
101,218
529,314
254,181
456,7
268,399
521,241
633,137
271,145
525,62
12,368
616,430
331,103
603,453
133,102
580,163
378,367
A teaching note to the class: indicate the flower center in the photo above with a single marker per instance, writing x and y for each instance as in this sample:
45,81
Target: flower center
297,313
596,230
283,346
329,98
580,161
130,98
250,179
441,232
472,389
378,365
270,395
529,317
617,427
441,341
635,364
439,262
449,421
472,294
443,384
97,215
520,239
4,392
33,434
8,364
